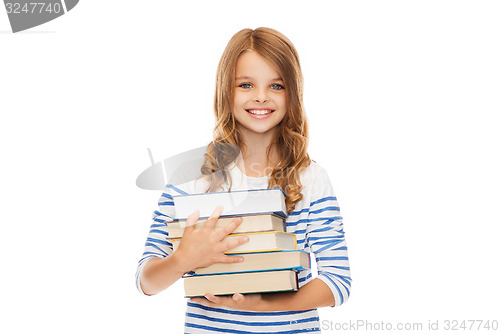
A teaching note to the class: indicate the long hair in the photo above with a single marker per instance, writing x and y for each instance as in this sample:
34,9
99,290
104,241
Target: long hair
292,138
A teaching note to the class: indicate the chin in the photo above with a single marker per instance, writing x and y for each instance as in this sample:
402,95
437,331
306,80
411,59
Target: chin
261,130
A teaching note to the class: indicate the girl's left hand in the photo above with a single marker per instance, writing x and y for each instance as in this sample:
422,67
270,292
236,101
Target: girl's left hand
250,302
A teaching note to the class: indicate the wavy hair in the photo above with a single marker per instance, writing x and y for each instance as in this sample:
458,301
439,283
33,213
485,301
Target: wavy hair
292,138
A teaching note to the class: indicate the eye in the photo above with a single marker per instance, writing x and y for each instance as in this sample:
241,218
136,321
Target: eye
245,85
277,86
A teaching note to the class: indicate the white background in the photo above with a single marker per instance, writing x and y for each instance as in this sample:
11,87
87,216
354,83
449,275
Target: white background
402,99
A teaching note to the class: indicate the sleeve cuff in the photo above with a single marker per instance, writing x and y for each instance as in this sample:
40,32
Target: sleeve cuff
139,273
333,288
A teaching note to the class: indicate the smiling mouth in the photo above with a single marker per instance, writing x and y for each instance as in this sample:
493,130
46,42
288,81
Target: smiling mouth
259,112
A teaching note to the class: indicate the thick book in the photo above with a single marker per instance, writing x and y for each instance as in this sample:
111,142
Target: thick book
258,242
250,223
296,260
254,282
239,202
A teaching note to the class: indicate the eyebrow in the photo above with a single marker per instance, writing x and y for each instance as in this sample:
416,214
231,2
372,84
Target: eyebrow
247,77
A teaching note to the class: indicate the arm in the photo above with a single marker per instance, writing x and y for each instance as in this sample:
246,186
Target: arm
160,273
311,295
157,244
326,239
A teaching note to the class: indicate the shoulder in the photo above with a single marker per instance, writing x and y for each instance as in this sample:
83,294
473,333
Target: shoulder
316,183
313,173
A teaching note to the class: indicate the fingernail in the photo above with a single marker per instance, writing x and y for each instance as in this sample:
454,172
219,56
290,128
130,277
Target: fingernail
240,259
236,297
195,213
217,212
245,239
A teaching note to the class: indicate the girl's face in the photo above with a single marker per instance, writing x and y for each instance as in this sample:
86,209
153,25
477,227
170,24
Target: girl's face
259,97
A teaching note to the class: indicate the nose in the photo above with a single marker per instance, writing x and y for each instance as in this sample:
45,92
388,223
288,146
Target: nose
260,96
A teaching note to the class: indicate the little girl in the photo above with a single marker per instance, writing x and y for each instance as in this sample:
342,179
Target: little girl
258,109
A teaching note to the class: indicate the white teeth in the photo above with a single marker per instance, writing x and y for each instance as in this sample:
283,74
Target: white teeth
259,112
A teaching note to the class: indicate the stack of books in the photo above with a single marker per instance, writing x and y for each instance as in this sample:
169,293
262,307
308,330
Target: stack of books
271,258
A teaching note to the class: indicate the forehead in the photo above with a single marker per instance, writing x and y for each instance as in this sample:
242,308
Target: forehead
251,64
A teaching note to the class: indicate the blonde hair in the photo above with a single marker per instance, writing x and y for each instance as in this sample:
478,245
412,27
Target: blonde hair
292,138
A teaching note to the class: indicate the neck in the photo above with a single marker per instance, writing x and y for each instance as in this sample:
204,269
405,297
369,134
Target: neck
256,162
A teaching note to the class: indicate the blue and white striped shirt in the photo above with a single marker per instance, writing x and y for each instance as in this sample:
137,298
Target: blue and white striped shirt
317,224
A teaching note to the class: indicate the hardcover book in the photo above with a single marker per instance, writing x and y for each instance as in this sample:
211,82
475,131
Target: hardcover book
295,259
250,223
258,242
253,282
241,202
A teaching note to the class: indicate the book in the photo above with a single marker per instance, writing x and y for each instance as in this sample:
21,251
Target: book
235,203
295,259
250,223
258,242
254,282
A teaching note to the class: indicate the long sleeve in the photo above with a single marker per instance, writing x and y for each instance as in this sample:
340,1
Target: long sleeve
157,244
325,237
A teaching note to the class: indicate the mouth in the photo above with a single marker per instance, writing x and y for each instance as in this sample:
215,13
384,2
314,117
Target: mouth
259,111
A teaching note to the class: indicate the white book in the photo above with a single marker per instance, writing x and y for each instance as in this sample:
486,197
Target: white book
239,202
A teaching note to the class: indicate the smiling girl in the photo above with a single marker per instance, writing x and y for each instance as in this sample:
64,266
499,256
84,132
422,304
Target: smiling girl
259,109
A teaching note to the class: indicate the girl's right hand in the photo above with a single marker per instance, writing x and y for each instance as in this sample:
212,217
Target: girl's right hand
203,246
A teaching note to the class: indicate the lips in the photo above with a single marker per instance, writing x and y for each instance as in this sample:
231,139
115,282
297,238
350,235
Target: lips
259,114
259,111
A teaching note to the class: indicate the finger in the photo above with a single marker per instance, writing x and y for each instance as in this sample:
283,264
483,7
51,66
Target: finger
210,223
212,298
201,300
229,228
191,221
239,298
229,259
228,245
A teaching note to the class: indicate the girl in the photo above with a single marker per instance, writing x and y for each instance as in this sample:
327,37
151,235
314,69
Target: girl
258,109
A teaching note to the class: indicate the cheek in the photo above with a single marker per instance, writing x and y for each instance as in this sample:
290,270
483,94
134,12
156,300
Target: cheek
280,99
237,108
238,101
283,103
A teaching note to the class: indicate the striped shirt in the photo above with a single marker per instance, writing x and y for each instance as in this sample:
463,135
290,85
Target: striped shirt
317,224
